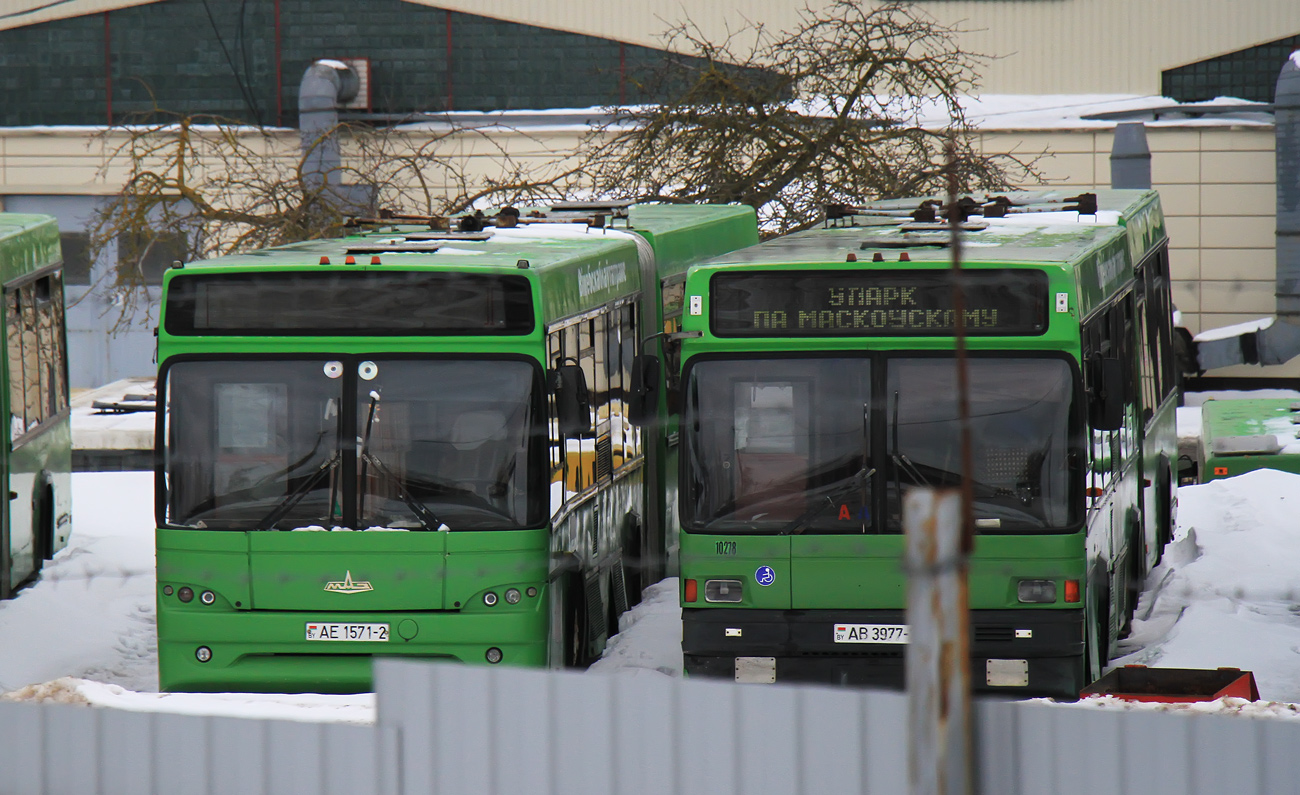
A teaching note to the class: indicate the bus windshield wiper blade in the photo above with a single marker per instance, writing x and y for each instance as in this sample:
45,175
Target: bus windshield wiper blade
427,518
800,524
294,497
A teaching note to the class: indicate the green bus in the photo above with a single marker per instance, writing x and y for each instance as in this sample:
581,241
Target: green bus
37,460
418,440
1242,435
818,383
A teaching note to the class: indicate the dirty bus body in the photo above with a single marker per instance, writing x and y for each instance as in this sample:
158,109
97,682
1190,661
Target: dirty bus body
819,384
37,456
1239,436
409,442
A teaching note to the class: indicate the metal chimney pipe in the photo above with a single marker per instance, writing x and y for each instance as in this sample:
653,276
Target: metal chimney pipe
1286,116
325,86
1130,158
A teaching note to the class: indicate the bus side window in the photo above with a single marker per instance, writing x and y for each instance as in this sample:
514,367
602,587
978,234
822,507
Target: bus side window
31,357
674,297
627,437
50,362
555,444
1096,346
14,346
1162,321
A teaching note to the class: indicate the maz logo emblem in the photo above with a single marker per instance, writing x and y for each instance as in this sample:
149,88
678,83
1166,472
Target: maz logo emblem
348,586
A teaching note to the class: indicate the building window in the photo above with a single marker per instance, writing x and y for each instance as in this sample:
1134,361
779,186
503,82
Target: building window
76,257
1246,74
152,256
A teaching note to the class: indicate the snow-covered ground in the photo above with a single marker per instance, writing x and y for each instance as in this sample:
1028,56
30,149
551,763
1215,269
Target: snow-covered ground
1226,594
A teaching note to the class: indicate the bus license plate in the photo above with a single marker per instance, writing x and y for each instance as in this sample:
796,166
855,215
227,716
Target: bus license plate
871,633
377,632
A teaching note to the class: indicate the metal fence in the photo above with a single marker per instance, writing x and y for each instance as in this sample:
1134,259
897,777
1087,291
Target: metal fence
446,730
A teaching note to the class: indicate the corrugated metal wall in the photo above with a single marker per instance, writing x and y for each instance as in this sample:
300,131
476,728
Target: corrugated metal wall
448,730
1063,47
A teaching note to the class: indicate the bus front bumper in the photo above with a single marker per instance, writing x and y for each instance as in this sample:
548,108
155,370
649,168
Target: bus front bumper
267,651
1016,653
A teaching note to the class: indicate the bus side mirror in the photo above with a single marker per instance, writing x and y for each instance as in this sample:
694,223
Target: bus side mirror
644,397
1107,404
572,401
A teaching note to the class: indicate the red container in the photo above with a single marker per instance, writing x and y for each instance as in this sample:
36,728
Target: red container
1174,685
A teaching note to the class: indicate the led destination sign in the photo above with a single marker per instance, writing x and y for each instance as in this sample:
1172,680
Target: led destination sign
877,303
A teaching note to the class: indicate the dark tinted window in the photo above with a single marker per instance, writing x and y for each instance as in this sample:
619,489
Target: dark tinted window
411,303
76,257
151,256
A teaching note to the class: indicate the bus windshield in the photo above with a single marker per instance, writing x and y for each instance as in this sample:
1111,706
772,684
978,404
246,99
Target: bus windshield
813,445
403,444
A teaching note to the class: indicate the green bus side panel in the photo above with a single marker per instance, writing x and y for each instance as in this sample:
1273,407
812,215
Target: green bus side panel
1237,436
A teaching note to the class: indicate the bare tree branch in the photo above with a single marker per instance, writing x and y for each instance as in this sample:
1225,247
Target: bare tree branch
856,103
206,186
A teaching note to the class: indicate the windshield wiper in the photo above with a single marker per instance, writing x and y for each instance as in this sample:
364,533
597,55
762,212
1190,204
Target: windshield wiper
294,497
421,511
800,524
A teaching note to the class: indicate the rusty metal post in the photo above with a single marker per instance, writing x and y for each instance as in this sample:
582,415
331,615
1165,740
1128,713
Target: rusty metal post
940,528
938,653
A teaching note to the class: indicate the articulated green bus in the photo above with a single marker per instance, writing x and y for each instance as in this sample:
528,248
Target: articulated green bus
37,455
818,383
414,442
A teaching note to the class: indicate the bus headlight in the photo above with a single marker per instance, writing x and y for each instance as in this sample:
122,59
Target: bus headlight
203,654
723,590
489,598
513,596
1036,591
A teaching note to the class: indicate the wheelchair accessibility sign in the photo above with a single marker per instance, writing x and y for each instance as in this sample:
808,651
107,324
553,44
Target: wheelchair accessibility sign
764,576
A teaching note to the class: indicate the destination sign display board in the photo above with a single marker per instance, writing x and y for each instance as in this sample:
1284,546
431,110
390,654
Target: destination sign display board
349,303
877,303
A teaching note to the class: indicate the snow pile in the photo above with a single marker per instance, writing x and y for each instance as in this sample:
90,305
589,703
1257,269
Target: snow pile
1223,706
309,707
91,615
1226,592
60,691
649,637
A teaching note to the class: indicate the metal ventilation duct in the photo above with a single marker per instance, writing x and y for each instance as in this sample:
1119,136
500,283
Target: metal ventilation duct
325,87
1130,157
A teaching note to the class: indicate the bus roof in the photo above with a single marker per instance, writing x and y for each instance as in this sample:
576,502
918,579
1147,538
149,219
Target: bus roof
578,266
27,243
1101,249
